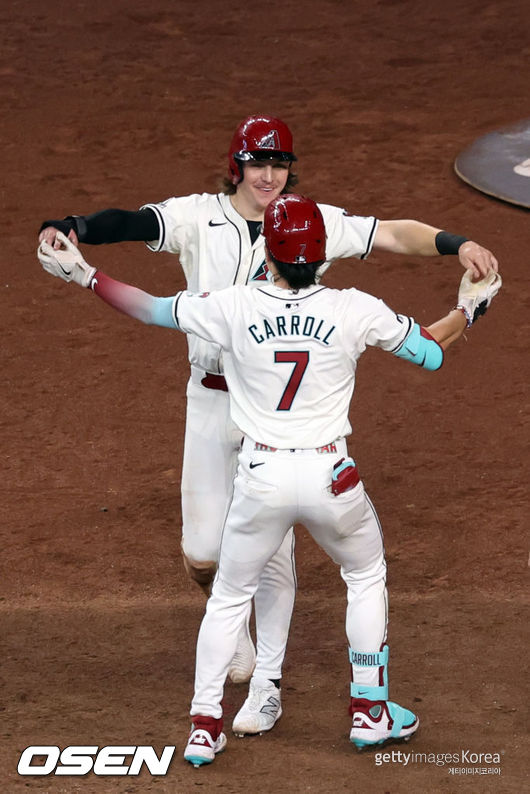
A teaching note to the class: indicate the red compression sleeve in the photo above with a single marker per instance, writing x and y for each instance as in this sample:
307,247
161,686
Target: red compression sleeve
129,300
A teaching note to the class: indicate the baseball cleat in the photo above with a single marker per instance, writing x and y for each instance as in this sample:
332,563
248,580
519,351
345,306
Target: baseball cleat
244,661
205,741
260,711
377,722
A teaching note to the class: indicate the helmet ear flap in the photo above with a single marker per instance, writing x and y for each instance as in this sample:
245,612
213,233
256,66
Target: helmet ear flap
236,172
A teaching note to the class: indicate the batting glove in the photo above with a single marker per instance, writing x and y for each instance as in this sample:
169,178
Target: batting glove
474,297
66,263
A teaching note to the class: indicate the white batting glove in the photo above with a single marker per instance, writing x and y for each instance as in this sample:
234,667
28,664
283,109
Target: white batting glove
474,297
66,263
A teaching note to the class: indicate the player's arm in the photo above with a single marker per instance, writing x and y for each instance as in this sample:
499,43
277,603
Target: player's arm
420,239
134,302
186,312
107,226
68,264
425,346
448,329
210,319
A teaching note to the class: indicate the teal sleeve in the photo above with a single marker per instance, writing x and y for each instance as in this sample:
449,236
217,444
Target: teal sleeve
420,348
162,312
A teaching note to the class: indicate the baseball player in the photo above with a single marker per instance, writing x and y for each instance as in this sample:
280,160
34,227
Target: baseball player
290,350
216,237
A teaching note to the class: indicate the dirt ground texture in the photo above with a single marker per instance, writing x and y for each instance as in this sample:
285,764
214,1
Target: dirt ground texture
116,104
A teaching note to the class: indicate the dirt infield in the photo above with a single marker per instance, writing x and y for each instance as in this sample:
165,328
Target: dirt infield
118,103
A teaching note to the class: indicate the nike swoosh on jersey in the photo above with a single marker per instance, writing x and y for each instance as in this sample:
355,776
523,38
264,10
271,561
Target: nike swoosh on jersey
253,465
213,223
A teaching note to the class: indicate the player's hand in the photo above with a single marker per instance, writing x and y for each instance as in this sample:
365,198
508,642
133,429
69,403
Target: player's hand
475,297
66,262
477,259
49,235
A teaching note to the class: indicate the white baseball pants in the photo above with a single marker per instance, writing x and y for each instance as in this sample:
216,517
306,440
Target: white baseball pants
278,490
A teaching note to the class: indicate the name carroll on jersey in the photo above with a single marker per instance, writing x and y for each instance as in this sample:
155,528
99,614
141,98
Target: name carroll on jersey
292,325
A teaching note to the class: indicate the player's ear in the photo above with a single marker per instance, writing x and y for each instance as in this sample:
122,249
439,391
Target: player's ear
271,266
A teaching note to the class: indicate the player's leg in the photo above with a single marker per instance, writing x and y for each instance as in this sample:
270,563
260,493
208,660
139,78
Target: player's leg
208,470
348,528
210,459
274,602
254,530
375,718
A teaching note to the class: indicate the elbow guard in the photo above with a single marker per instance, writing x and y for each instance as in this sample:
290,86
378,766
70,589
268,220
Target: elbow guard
420,348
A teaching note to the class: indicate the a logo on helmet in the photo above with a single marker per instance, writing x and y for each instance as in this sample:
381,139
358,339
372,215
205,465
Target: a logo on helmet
269,141
300,258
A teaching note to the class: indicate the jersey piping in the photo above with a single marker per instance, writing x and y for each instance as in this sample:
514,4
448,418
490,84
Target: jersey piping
238,237
175,309
295,297
369,246
410,324
161,224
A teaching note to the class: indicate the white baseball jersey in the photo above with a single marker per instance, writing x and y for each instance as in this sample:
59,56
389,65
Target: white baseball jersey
290,356
213,243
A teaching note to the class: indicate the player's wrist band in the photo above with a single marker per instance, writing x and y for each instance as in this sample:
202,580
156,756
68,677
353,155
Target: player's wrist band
447,243
79,225
460,308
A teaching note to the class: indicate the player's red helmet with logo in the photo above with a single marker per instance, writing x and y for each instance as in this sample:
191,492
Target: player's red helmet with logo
294,230
259,138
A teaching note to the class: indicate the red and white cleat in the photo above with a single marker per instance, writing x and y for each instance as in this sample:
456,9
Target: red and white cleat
206,740
380,721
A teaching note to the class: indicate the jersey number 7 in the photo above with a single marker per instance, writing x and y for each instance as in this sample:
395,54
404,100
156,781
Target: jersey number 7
300,359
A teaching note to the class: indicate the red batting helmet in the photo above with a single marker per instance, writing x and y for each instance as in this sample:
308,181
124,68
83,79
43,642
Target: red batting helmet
259,138
294,230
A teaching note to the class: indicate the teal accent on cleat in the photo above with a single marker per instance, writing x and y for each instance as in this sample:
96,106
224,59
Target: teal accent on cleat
375,723
197,761
401,717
